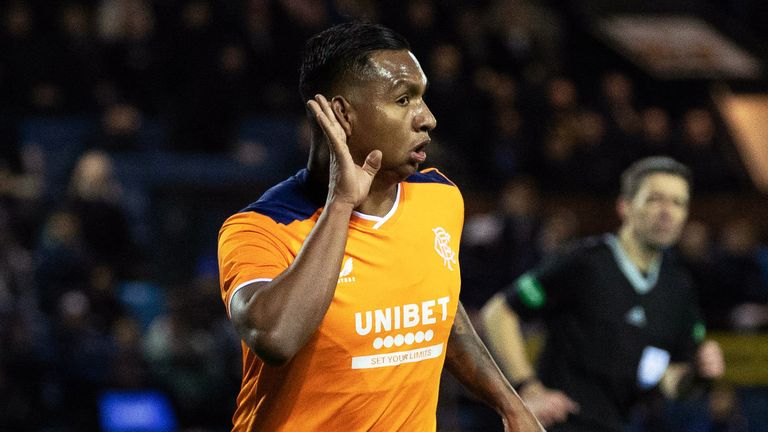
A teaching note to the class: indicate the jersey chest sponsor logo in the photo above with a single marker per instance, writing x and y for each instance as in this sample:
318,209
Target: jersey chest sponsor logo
443,248
395,326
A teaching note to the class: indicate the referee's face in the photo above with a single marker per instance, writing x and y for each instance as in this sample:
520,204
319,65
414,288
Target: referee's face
657,213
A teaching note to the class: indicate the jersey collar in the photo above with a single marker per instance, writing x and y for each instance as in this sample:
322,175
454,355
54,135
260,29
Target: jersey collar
377,221
641,284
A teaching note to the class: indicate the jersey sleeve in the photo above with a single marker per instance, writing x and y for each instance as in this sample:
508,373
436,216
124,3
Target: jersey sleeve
545,288
249,252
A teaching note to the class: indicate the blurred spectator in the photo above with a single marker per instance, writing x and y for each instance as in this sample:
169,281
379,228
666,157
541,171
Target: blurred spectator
361,10
418,21
724,410
21,194
21,359
22,372
62,261
193,66
270,91
189,350
126,31
84,353
472,35
740,276
703,148
118,129
560,169
450,98
559,227
619,106
129,369
512,151
521,34
597,154
697,254
499,246
559,133
95,199
75,57
655,132
23,55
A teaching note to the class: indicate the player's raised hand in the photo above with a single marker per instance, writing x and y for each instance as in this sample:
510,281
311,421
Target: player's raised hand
348,183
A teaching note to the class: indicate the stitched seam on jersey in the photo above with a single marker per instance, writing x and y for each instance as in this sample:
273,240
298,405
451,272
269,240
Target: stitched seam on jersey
642,285
238,288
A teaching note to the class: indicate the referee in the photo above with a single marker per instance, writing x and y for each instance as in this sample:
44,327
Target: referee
620,312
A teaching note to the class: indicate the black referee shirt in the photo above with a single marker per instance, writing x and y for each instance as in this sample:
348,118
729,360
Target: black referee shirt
601,315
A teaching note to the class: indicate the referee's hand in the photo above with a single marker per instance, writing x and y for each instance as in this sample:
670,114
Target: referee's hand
710,363
549,405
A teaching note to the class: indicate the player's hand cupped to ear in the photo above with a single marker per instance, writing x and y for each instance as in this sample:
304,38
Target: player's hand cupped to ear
348,182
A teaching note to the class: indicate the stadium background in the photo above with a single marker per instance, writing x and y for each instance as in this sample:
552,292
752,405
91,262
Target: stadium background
130,129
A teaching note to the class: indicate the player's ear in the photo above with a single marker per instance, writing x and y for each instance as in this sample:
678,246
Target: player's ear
343,111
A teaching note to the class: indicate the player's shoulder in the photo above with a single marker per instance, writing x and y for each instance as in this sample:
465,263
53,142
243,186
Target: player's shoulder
430,176
284,203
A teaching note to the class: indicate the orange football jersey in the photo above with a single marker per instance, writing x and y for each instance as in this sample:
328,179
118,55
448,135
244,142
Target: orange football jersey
375,361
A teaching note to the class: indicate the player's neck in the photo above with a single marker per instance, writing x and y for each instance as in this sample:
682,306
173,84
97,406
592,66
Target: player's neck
380,199
640,254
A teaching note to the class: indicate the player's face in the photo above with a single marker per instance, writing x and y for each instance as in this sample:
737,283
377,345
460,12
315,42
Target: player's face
659,210
389,114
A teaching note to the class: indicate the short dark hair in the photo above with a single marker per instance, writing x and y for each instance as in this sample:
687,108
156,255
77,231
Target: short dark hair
342,51
633,177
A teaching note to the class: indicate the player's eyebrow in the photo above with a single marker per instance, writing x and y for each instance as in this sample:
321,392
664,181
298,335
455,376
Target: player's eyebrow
410,85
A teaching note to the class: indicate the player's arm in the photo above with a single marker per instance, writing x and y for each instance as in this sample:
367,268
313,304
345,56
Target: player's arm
276,318
471,363
502,331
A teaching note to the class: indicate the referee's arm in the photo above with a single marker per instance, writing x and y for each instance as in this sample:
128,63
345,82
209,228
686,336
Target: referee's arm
502,330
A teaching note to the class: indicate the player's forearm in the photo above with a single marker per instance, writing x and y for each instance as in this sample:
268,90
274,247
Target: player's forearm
282,316
502,332
471,363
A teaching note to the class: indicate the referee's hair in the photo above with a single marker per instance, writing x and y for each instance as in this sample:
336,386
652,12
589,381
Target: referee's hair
633,177
343,52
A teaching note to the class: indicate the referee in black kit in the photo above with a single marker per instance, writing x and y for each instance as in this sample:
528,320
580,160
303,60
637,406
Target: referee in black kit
620,312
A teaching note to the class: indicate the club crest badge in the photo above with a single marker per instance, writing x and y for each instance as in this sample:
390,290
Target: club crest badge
442,247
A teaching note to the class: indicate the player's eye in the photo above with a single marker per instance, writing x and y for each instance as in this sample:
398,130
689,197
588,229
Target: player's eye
403,101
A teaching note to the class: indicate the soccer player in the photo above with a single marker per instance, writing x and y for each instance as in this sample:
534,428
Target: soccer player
620,313
343,280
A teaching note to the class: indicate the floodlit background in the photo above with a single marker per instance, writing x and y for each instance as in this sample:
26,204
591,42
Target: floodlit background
130,129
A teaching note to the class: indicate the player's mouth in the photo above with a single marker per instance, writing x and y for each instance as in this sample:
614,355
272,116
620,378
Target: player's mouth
418,155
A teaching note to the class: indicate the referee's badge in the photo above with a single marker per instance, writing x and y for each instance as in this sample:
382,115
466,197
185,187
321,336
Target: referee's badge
636,316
